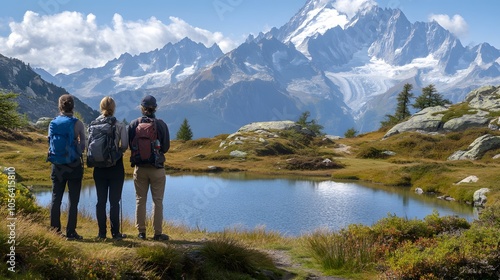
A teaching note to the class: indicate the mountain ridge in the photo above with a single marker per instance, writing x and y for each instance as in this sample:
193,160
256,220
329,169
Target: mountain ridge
365,59
36,97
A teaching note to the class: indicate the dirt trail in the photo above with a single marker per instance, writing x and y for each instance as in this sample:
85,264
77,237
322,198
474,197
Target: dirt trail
284,261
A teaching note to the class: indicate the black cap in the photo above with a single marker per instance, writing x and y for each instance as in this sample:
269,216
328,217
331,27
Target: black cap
148,102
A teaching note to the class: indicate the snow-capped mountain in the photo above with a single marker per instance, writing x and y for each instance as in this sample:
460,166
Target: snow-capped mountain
258,81
371,56
345,69
171,64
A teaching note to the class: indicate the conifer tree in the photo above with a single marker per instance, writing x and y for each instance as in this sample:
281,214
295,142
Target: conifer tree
402,110
404,99
9,117
185,132
430,98
311,125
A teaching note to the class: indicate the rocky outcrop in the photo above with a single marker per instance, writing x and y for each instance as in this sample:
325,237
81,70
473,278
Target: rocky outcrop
480,197
428,120
467,121
481,102
276,125
484,98
477,149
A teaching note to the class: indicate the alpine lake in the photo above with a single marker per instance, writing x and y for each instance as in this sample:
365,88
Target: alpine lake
291,206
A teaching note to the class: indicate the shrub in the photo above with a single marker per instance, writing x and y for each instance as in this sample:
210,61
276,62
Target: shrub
311,163
350,133
165,261
297,139
274,148
371,152
490,216
24,199
346,250
472,255
228,254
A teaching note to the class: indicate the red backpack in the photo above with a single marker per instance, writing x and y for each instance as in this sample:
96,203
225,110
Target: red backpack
145,145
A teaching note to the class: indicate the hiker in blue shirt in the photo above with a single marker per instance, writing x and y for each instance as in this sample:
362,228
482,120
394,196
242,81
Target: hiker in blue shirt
66,144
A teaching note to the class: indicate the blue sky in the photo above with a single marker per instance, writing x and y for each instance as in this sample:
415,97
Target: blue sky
67,35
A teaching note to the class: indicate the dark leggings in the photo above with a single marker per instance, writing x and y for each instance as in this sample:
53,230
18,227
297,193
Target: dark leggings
61,175
109,184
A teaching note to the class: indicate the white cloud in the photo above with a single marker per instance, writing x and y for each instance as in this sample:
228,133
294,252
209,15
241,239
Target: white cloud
456,25
351,7
69,41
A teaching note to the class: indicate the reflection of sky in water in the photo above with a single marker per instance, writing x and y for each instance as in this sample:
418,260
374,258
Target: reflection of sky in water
286,205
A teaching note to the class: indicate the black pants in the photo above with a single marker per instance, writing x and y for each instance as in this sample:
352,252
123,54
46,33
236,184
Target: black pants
61,175
109,184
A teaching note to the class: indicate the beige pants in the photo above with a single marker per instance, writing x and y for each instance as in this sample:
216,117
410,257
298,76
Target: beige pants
144,177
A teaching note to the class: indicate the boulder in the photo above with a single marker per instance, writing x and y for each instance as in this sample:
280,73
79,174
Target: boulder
43,122
485,98
470,179
480,198
275,125
467,121
477,149
428,120
238,154
481,101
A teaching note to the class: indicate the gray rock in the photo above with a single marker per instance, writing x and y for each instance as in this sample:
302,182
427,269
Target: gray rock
470,179
332,137
389,153
467,121
419,191
485,98
480,198
238,154
277,125
477,149
481,102
429,120
43,122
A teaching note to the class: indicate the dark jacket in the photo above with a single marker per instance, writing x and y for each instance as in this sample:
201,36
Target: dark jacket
163,133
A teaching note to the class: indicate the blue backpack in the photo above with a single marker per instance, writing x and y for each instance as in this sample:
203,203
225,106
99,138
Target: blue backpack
62,144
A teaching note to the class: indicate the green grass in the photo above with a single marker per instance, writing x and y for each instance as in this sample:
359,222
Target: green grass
394,248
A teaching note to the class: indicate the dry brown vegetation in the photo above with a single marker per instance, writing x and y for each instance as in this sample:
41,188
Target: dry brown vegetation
419,160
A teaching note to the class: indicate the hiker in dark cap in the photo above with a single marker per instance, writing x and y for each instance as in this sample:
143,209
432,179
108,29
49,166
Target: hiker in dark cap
149,140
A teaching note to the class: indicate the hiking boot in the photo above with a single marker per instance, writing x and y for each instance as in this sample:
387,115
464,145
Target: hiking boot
119,236
142,235
160,237
73,236
101,236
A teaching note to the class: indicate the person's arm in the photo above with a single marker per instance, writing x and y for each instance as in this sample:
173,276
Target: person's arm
80,134
164,136
123,137
131,132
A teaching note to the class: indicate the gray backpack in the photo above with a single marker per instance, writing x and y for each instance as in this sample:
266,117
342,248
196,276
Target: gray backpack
102,150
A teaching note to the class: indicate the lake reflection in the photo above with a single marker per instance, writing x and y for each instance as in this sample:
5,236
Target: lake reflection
290,206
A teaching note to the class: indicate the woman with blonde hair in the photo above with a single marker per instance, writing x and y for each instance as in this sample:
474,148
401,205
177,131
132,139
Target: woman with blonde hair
106,156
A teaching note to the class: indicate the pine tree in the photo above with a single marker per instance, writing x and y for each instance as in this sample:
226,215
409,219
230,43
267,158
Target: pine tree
311,125
430,98
185,132
402,110
9,117
404,98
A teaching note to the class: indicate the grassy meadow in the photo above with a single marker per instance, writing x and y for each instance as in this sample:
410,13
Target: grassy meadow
436,247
